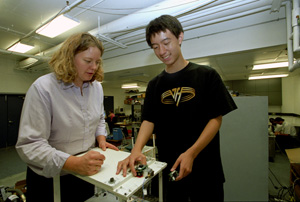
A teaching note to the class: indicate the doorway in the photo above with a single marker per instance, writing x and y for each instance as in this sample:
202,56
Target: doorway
10,113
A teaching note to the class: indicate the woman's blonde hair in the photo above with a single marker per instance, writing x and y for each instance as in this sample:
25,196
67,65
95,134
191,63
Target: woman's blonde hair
62,61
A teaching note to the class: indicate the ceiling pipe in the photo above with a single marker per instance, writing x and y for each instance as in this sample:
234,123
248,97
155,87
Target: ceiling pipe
141,18
101,36
217,10
295,25
179,7
292,33
141,12
197,17
226,18
288,11
199,20
86,9
24,55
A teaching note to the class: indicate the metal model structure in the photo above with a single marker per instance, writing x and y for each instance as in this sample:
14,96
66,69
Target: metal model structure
122,187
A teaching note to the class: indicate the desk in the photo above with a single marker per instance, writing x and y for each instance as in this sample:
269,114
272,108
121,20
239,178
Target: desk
294,157
122,187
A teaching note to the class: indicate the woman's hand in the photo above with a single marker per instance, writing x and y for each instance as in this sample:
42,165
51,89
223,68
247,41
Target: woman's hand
101,139
87,164
103,145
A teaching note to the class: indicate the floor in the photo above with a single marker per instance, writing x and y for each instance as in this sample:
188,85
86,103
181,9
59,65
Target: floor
12,170
279,179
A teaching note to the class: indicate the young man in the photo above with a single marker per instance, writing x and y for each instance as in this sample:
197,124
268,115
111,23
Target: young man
193,99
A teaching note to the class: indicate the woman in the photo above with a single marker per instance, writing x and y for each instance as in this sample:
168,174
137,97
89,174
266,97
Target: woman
63,115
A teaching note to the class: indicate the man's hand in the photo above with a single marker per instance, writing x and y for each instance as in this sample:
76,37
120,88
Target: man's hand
186,161
88,164
130,161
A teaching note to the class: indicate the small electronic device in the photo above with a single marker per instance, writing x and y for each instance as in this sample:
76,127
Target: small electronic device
140,170
173,175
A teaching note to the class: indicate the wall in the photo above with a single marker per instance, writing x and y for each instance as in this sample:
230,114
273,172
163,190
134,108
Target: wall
291,96
15,81
264,87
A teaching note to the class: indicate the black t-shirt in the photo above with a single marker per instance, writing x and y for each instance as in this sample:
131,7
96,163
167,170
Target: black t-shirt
180,105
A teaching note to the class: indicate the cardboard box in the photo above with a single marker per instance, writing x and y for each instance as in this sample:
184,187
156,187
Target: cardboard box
294,158
293,155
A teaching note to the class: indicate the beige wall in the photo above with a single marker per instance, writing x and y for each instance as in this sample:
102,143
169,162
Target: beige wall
291,96
15,81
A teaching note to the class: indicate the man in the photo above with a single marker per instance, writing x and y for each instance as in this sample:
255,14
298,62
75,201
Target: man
285,134
193,100
284,128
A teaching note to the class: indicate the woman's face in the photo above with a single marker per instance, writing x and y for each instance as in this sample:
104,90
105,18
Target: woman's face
86,64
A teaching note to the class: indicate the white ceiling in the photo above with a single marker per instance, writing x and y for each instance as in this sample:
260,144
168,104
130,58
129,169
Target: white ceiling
20,18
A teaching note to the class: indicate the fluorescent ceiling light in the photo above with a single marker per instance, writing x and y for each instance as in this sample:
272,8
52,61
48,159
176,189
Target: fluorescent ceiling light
271,65
130,85
58,26
267,76
20,48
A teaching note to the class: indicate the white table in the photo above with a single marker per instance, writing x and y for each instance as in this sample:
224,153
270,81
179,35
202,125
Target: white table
122,187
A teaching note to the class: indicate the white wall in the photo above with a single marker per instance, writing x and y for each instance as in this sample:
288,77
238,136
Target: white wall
14,81
291,96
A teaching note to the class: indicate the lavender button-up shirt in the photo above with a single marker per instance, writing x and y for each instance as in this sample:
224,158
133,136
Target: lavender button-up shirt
58,121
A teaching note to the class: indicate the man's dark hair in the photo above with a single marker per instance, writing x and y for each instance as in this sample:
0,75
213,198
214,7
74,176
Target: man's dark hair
279,119
163,23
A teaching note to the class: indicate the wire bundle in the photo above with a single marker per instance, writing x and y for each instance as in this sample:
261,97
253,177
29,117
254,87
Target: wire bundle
285,194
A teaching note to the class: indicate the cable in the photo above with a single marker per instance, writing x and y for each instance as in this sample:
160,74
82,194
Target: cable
294,193
273,183
275,177
283,191
143,188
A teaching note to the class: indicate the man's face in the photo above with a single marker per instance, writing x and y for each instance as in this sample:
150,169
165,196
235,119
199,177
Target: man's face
167,47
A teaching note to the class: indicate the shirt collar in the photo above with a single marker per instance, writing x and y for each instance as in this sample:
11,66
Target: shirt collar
66,86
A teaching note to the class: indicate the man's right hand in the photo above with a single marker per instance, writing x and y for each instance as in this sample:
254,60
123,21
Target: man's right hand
130,161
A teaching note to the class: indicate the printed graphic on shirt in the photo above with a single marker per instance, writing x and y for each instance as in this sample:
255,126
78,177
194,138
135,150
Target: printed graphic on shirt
177,95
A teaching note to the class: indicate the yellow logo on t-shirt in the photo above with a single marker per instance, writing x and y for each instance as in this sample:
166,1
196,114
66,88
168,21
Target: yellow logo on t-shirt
177,95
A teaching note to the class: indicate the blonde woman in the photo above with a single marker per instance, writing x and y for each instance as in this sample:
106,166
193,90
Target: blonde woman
63,115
